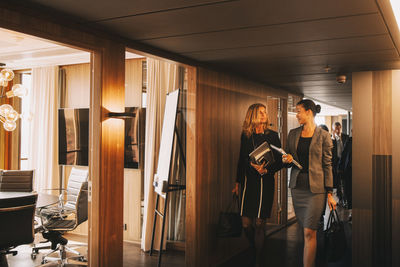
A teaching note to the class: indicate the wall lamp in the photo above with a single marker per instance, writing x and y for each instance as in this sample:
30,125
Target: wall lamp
121,115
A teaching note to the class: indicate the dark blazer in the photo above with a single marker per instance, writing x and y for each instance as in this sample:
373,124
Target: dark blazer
246,147
320,159
344,138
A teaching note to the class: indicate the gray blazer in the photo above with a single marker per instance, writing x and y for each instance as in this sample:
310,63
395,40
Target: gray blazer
320,159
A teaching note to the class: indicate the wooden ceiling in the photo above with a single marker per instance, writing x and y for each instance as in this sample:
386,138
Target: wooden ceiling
286,44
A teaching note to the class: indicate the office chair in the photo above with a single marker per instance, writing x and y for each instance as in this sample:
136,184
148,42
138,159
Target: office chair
16,225
16,181
64,217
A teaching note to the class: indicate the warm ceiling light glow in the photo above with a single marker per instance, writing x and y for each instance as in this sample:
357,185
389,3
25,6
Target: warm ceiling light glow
8,115
396,10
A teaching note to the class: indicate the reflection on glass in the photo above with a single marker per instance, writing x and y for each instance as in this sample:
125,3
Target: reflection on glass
73,136
131,154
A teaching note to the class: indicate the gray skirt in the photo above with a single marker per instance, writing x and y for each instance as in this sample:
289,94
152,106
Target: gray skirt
308,206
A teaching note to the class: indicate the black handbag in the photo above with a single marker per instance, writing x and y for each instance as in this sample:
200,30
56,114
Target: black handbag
335,238
230,221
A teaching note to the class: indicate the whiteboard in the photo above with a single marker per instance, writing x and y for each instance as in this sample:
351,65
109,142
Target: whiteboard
167,139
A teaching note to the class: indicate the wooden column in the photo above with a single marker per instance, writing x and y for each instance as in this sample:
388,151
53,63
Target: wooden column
395,169
107,157
375,178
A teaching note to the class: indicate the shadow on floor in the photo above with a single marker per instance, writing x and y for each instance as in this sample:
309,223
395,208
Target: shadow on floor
285,249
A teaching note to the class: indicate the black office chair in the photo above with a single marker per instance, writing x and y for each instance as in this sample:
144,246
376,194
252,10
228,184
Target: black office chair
16,181
16,225
64,217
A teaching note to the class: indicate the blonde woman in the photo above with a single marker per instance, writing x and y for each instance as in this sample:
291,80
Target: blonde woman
256,181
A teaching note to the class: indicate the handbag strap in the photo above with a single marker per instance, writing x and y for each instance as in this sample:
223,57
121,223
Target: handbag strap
333,217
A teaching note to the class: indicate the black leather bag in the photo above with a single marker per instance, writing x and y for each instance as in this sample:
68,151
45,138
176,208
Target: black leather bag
335,238
230,222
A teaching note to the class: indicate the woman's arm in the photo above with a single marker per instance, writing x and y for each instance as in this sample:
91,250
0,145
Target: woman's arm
327,169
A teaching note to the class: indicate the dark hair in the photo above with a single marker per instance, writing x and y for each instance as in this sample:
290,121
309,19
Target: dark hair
309,104
323,126
337,124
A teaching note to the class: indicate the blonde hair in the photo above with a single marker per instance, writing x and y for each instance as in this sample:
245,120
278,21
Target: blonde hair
252,121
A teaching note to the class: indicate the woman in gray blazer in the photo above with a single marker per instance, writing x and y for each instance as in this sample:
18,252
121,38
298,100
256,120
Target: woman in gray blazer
312,148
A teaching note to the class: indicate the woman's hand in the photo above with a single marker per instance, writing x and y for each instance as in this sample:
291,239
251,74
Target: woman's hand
236,189
260,168
331,202
287,158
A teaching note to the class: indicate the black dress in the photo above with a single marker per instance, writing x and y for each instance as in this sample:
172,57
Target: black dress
257,194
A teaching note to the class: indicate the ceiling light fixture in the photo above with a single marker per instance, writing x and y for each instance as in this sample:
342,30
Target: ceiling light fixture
327,68
396,10
341,79
8,116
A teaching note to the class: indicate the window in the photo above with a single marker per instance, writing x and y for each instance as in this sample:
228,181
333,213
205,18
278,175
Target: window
26,80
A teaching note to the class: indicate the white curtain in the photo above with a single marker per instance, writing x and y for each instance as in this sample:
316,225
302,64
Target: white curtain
43,143
162,78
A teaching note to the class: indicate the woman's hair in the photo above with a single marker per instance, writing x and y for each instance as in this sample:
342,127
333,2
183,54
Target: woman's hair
323,126
251,121
308,104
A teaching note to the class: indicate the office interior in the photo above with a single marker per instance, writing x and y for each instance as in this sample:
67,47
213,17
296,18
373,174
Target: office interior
221,69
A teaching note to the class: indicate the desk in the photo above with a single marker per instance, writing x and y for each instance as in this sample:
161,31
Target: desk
13,199
9,199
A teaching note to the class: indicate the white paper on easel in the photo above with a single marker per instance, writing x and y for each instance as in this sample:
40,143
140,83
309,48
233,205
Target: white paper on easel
167,138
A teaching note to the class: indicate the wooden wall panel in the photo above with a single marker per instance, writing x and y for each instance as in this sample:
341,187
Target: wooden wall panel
382,168
396,169
133,82
362,169
77,91
375,143
382,112
221,102
191,240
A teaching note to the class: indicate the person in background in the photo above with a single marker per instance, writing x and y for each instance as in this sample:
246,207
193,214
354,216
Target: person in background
345,170
312,184
323,126
339,140
256,181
